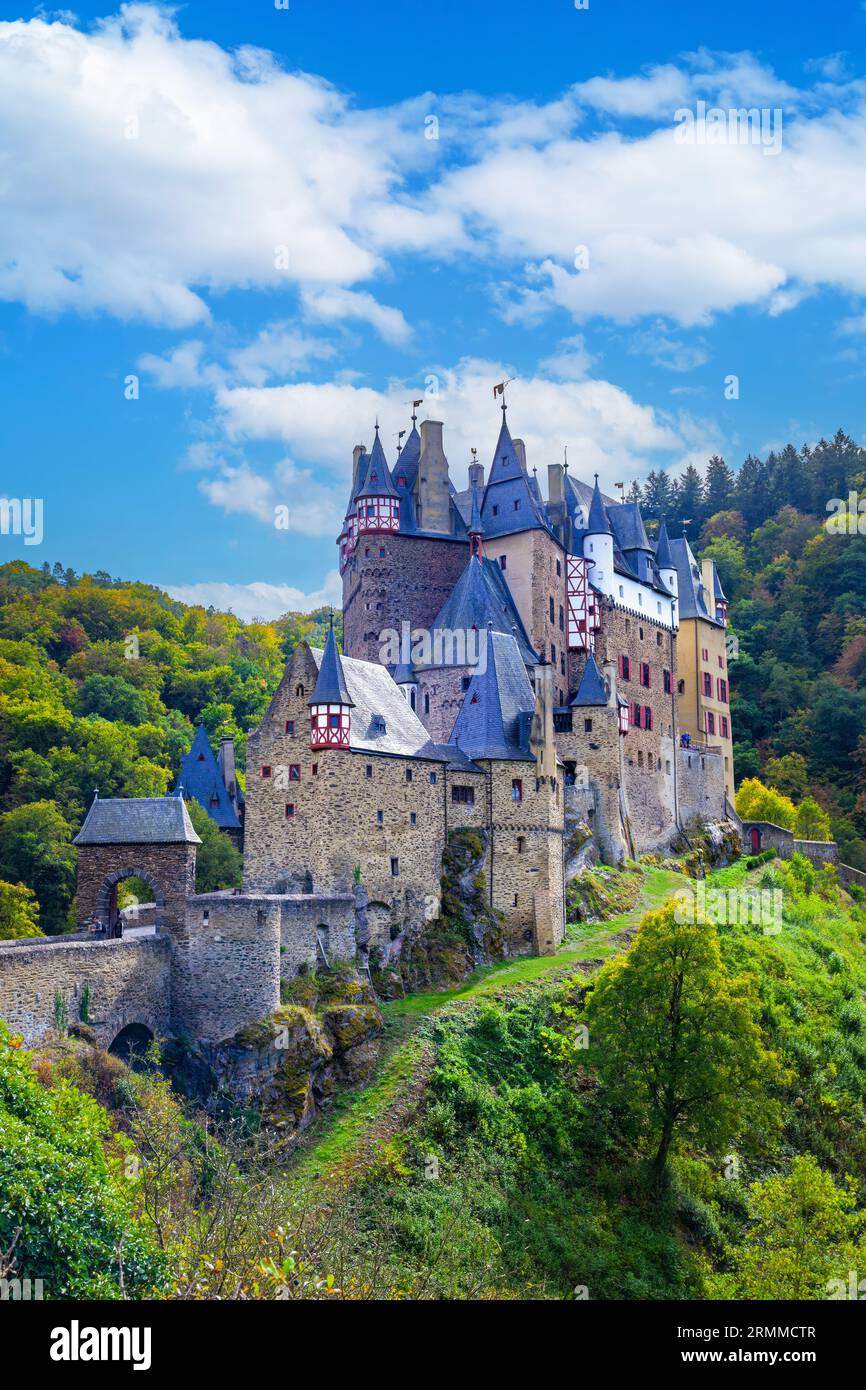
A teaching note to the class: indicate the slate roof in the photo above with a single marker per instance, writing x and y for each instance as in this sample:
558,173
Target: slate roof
372,693
627,525
480,599
496,715
143,820
598,523
664,559
330,682
511,502
202,780
692,594
592,689
377,478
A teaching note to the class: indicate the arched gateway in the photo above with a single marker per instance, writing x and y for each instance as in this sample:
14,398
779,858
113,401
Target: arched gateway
149,837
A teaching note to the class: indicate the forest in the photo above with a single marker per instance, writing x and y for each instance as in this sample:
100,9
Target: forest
103,680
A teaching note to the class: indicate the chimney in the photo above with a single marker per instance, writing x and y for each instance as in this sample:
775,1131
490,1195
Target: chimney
476,475
433,497
554,482
520,451
226,764
356,454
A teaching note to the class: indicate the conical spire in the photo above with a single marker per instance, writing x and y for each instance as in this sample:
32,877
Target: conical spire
331,688
598,523
378,481
664,559
592,689
505,463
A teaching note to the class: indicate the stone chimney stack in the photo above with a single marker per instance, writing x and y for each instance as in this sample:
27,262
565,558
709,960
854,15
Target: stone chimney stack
554,483
356,454
226,764
433,498
520,451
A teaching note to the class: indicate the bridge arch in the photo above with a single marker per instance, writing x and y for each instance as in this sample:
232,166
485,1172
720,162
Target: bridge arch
130,1044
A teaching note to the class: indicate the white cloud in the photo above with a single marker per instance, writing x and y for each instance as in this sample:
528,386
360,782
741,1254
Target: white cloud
335,305
141,169
663,350
602,425
258,602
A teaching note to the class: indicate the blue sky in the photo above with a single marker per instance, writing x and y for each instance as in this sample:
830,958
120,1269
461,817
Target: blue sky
242,207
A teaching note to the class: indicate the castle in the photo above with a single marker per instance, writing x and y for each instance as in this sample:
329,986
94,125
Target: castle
537,671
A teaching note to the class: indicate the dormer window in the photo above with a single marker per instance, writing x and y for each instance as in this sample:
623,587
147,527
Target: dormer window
379,725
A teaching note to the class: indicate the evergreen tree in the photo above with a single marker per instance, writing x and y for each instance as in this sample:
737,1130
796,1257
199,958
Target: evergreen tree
658,496
689,504
719,487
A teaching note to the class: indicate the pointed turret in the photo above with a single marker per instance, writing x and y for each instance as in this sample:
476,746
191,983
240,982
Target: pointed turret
378,501
592,689
598,543
598,523
664,559
496,715
330,703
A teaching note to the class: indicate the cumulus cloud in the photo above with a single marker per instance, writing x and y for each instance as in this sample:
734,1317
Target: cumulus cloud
258,602
602,425
140,168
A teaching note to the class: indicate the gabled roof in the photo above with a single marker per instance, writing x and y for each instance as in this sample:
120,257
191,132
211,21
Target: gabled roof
374,696
331,682
592,689
377,479
140,820
692,594
202,781
481,599
496,715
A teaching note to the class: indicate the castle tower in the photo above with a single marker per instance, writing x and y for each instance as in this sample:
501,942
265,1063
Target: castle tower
377,500
598,543
330,704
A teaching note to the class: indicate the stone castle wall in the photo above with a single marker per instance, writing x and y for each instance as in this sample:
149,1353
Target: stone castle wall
700,785
408,583
351,809
225,964
129,983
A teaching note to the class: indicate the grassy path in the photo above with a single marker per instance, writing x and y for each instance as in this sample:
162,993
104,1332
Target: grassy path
356,1113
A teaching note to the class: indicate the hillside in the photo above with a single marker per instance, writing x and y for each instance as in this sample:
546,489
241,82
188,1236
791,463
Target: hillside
490,1155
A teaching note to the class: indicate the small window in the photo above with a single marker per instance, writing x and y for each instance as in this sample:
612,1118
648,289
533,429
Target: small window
666,681
333,721
380,817
496,513
711,722
369,769
395,868
521,844
658,639
552,608
266,770
464,682
294,772
559,567
432,779
517,504
516,789
413,818
681,687
290,726
640,633
408,774
587,726
561,618
200,758
205,917
503,558
463,795
381,552
214,801
515,899
315,769
426,702
647,717
299,691
290,810
622,595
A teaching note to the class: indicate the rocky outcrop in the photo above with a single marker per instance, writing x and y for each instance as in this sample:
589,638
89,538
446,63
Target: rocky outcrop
286,1067
466,933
